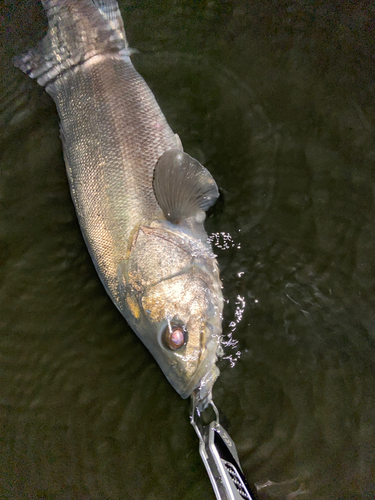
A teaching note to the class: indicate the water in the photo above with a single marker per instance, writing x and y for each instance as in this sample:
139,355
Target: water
277,100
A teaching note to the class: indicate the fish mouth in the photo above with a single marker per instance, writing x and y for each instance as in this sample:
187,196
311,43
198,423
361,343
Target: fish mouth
205,375
203,392
202,395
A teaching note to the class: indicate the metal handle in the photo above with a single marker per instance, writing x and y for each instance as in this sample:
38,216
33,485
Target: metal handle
220,458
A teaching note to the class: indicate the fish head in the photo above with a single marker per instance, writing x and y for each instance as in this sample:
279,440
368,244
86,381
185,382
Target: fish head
173,294
184,314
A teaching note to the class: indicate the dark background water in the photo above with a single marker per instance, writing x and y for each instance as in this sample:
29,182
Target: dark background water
277,99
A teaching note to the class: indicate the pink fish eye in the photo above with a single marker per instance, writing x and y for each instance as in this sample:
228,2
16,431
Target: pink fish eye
177,337
174,337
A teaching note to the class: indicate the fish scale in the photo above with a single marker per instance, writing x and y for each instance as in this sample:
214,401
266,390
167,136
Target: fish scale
110,152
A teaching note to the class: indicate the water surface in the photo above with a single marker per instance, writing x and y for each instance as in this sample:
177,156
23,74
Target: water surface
276,99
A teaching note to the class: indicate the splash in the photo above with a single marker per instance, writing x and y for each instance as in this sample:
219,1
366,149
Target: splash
223,240
228,341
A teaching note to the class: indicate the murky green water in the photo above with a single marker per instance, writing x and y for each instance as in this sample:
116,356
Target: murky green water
276,98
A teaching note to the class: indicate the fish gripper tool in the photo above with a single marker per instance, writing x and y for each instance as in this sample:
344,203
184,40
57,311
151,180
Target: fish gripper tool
220,457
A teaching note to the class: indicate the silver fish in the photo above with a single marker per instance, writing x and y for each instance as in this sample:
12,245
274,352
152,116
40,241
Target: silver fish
139,198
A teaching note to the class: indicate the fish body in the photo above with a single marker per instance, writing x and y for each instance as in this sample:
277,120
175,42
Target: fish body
139,198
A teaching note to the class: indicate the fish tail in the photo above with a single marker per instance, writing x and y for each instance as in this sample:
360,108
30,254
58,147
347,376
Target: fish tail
109,9
77,31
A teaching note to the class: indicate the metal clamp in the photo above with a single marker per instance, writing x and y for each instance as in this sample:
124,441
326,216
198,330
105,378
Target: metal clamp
220,458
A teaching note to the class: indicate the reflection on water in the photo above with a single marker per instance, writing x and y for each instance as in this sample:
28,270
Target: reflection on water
276,100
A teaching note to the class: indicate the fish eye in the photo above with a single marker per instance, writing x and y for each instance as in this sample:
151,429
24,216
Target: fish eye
174,336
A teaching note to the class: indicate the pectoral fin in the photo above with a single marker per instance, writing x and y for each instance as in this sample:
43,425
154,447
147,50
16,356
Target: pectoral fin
182,186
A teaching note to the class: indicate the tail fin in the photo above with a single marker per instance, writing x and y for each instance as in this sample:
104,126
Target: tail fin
77,31
110,11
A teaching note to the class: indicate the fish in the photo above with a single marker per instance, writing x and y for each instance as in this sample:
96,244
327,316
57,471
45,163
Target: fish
141,201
